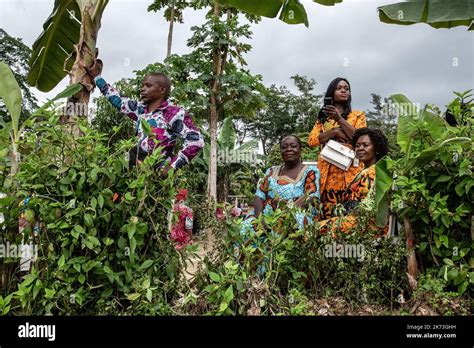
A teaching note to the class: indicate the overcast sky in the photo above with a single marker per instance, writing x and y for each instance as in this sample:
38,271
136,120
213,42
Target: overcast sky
348,40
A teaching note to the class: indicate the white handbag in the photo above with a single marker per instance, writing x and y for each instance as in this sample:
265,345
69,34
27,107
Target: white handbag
339,155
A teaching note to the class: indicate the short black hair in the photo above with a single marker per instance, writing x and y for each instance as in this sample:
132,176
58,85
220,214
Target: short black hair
378,139
166,82
294,136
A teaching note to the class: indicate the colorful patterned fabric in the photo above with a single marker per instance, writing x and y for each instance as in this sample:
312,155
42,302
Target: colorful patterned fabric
334,181
178,231
274,188
360,195
168,123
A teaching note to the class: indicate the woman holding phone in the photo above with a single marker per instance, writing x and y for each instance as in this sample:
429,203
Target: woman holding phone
336,121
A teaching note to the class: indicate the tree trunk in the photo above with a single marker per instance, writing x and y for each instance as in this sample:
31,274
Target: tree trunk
411,258
84,55
170,31
217,70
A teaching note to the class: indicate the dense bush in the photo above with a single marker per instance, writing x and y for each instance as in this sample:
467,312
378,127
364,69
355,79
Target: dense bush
434,190
103,245
280,269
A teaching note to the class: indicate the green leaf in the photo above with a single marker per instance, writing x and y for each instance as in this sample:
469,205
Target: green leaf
10,92
227,134
146,264
443,178
229,294
61,261
81,278
462,288
444,240
94,240
49,293
100,200
438,14
383,184
266,8
88,220
107,292
133,297
93,203
214,277
149,295
293,12
50,50
223,306
79,229
131,229
145,126
133,246
448,262
93,175
453,273
406,127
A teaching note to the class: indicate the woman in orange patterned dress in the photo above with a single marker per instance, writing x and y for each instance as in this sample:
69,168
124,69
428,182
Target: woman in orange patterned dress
337,122
370,146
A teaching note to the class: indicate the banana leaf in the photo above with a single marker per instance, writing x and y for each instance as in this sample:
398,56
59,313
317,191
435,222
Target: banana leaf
11,94
436,13
291,11
383,184
54,45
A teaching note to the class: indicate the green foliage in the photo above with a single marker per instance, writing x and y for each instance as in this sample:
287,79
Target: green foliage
103,245
54,45
15,54
433,187
383,116
284,113
289,11
280,270
438,14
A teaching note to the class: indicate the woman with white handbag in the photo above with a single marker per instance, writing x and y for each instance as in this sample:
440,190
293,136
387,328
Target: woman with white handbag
333,132
359,198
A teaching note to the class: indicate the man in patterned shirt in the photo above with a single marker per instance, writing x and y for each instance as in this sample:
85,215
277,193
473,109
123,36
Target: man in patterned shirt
167,122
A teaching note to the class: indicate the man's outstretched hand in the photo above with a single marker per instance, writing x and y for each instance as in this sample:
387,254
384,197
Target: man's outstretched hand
95,69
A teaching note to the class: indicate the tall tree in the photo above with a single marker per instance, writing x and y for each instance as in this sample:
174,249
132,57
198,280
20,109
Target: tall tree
275,119
173,13
16,54
218,40
383,116
305,104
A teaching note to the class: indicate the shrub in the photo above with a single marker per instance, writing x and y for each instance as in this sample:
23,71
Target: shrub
102,242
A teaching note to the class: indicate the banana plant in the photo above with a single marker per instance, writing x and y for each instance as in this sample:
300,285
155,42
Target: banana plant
10,132
66,46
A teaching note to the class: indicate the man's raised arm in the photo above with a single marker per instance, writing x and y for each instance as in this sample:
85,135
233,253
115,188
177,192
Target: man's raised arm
125,105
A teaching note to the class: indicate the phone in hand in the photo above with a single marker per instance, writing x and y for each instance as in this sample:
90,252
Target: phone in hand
327,101
322,115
